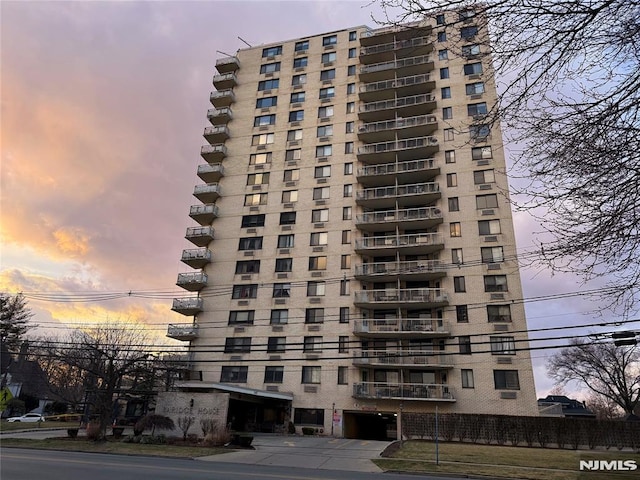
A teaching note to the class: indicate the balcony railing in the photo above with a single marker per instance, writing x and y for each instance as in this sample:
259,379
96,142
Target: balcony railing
396,64
402,358
399,241
397,191
403,391
207,193
222,98
182,331
407,214
210,172
187,306
219,116
204,214
414,267
396,103
394,326
417,121
200,236
401,295
411,166
213,153
395,83
400,44
192,281
216,134
224,81
227,64
196,257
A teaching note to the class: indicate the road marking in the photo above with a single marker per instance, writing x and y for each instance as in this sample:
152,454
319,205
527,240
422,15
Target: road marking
290,444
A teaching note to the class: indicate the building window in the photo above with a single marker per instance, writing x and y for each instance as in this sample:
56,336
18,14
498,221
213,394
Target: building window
344,314
445,92
452,179
272,51
467,33
314,315
450,156
290,196
321,193
324,150
258,179
296,116
328,92
279,317
481,153
453,204
345,262
459,284
495,283
456,256
501,345
312,344
479,132
464,343
329,40
448,134
301,46
440,19
292,155
298,80
234,374
353,36
347,213
241,317
253,199
260,158
467,378
474,88
250,243
249,221
325,112
291,175
247,266
342,375
309,416
284,264
266,102
293,135
298,97
470,50
442,36
346,237
462,314
237,345
324,131
328,74
319,238
287,218
300,62
309,375
477,109
489,227
263,120
473,68
455,229
348,147
351,88
347,191
443,54
351,70
484,176
348,168
349,127
486,201
317,263
498,313
345,287
353,53
285,241
328,57
351,107
444,73
273,374
447,113
343,344
270,67
506,380
276,344
263,139
492,254
315,289
281,290
322,172
268,84
321,215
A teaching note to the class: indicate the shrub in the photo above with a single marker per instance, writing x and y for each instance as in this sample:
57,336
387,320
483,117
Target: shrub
72,432
291,428
154,421
308,431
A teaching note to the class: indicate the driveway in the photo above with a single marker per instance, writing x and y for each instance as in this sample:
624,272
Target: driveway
307,452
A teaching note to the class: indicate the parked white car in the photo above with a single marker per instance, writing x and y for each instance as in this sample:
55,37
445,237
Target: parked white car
28,417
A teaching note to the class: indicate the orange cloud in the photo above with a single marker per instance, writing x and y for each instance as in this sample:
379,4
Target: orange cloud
72,241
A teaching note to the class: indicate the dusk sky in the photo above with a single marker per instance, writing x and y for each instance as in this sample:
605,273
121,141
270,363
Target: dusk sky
103,109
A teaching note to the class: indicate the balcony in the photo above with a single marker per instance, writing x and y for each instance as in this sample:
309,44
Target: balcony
208,193
404,391
397,87
401,172
401,327
409,271
177,361
188,306
225,81
388,51
200,236
401,298
204,214
196,257
402,358
192,281
402,67
217,134
182,331
400,128
222,98
413,244
388,34
227,64
219,116
210,172
409,149
397,107
214,153
408,218
400,195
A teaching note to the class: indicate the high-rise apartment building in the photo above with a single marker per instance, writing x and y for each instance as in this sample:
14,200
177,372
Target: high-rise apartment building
354,254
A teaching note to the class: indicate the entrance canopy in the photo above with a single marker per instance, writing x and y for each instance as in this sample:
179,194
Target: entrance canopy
225,387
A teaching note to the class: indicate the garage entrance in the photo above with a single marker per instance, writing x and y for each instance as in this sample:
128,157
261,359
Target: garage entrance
370,425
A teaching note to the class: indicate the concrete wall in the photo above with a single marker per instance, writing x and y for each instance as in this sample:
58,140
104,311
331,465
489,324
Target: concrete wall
200,406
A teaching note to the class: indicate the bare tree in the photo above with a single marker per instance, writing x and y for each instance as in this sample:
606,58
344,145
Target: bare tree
610,372
568,74
604,408
14,321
